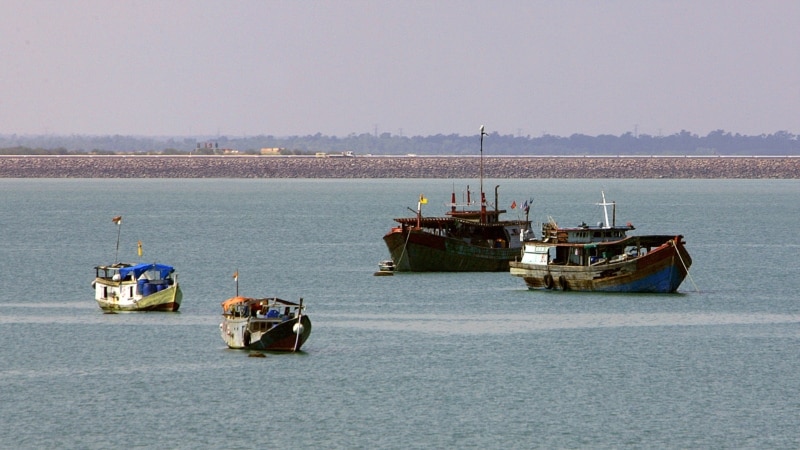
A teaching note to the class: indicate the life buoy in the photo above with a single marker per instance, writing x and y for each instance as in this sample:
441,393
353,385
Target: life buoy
548,281
562,281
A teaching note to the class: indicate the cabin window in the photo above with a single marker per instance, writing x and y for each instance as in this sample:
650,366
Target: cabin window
131,290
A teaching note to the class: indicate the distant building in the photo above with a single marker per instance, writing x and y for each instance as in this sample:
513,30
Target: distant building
346,154
272,151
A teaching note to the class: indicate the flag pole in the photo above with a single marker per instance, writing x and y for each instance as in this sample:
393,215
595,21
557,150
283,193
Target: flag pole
117,220
236,279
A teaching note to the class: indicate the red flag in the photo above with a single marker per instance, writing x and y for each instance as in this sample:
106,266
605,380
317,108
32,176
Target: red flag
514,204
117,219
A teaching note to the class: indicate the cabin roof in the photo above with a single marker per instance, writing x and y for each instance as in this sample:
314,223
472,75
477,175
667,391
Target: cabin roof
248,300
125,270
431,222
644,240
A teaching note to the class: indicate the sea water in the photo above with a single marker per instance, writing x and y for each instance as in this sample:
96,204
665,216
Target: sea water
434,360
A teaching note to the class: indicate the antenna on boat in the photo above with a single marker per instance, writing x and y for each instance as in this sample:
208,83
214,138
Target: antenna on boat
117,220
605,210
483,196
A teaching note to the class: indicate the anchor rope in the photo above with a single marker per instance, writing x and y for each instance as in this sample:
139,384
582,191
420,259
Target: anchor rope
677,250
405,244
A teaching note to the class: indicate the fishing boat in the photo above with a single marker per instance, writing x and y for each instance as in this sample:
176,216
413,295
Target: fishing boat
271,324
136,287
467,238
602,258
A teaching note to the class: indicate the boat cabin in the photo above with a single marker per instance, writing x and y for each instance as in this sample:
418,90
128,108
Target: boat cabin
122,280
266,310
493,234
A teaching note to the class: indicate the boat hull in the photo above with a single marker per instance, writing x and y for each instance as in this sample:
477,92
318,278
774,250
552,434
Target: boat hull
418,251
238,333
660,271
168,299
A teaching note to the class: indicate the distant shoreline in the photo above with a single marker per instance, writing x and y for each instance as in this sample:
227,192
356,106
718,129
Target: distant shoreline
522,167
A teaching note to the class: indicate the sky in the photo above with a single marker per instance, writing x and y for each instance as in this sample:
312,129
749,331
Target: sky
409,68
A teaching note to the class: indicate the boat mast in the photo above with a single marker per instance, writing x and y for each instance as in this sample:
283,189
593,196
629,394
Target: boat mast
483,196
117,220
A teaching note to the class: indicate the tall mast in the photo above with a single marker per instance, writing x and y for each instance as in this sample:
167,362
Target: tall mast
483,196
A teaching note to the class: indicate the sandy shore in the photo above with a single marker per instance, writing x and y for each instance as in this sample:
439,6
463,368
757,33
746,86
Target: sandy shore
395,167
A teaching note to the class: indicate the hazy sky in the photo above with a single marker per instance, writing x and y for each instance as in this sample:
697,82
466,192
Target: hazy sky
412,68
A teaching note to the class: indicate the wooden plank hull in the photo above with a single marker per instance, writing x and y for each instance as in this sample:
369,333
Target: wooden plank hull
660,271
418,251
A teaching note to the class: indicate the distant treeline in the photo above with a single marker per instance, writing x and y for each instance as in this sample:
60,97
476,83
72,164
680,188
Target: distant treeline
717,142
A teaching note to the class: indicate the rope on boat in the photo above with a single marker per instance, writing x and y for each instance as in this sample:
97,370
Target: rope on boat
677,250
408,236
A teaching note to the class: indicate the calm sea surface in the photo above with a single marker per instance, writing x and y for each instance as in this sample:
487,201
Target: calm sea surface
410,361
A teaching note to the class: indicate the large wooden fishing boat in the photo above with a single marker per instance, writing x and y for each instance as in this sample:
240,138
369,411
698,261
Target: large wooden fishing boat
465,239
602,258
136,287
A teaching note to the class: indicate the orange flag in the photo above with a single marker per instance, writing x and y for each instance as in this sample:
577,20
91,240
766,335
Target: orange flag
117,220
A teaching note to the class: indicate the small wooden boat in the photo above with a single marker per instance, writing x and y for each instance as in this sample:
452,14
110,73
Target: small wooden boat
602,258
271,324
136,287
386,265
385,268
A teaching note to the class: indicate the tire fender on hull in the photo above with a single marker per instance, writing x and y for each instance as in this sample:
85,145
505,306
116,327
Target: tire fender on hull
548,281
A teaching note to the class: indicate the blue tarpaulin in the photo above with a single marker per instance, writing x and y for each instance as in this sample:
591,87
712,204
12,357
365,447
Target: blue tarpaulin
139,269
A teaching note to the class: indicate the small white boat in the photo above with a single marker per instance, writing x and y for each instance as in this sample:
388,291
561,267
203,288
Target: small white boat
137,287
385,268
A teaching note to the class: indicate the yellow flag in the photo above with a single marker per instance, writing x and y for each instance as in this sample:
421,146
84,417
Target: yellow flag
422,199
139,248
